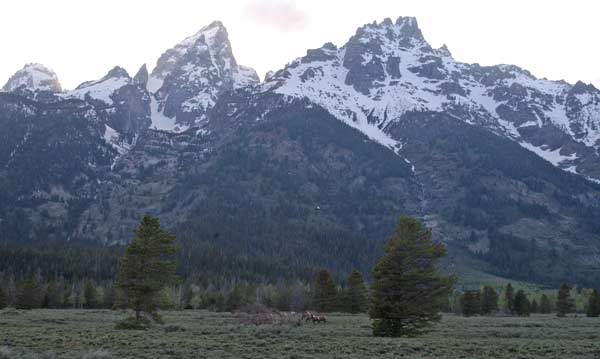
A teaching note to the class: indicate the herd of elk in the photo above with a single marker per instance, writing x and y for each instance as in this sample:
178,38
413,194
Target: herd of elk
315,318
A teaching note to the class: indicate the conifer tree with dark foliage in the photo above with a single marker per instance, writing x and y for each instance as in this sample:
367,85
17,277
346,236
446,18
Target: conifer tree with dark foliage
564,302
28,295
90,294
146,268
52,297
470,302
521,305
355,295
3,299
324,292
489,300
535,308
408,291
509,299
545,306
593,308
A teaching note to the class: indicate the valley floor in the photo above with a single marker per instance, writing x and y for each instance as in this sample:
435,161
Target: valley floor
90,334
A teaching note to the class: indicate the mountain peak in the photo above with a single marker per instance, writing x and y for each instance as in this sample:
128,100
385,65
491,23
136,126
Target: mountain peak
216,23
33,76
213,33
116,72
141,76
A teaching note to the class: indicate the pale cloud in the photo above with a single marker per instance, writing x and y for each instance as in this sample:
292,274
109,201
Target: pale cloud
597,83
283,15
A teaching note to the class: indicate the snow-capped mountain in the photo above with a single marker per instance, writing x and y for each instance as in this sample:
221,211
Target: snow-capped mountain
189,78
33,77
329,150
387,69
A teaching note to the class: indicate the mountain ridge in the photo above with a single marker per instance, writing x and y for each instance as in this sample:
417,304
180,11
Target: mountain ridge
321,157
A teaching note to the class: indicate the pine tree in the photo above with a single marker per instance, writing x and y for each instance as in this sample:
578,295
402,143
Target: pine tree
489,300
3,299
545,306
509,299
535,308
521,304
52,296
28,295
564,302
471,303
324,292
235,299
187,297
146,268
408,291
108,297
355,296
593,309
68,294
90,294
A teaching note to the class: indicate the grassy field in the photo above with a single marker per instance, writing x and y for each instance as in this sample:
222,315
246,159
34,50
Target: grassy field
198,334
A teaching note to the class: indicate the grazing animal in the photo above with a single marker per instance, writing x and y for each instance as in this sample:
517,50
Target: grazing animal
319,319
307,316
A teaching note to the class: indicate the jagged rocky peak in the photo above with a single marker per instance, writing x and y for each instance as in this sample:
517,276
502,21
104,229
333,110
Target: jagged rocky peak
33,77
141,77
189,78
211,40
405,32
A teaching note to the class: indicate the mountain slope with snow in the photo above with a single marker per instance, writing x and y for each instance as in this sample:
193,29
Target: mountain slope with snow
388,69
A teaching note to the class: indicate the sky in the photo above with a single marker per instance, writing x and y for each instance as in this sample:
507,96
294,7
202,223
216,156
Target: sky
83,40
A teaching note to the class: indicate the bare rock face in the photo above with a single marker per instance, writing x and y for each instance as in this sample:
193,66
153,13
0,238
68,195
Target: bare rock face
34,77
141,77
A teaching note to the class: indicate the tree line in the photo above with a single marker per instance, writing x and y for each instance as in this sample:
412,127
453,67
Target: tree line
485,301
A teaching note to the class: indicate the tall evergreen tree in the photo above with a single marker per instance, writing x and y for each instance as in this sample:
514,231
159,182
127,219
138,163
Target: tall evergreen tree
509,298
408,291
564,302
489,300
52,297
545,306
324,292
108,297
355,296
146,268
90,295
28,295
521,304
593,308
535,308
235,298
187,297
3,299
471,303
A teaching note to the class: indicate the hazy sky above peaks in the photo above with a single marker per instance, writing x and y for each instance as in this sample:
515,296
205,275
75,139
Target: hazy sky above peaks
82,40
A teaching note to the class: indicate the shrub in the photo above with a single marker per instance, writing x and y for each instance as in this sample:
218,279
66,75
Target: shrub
132,323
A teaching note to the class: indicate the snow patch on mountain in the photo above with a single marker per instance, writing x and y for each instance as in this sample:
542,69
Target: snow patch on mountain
34,77
552,156
100,90
161,122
